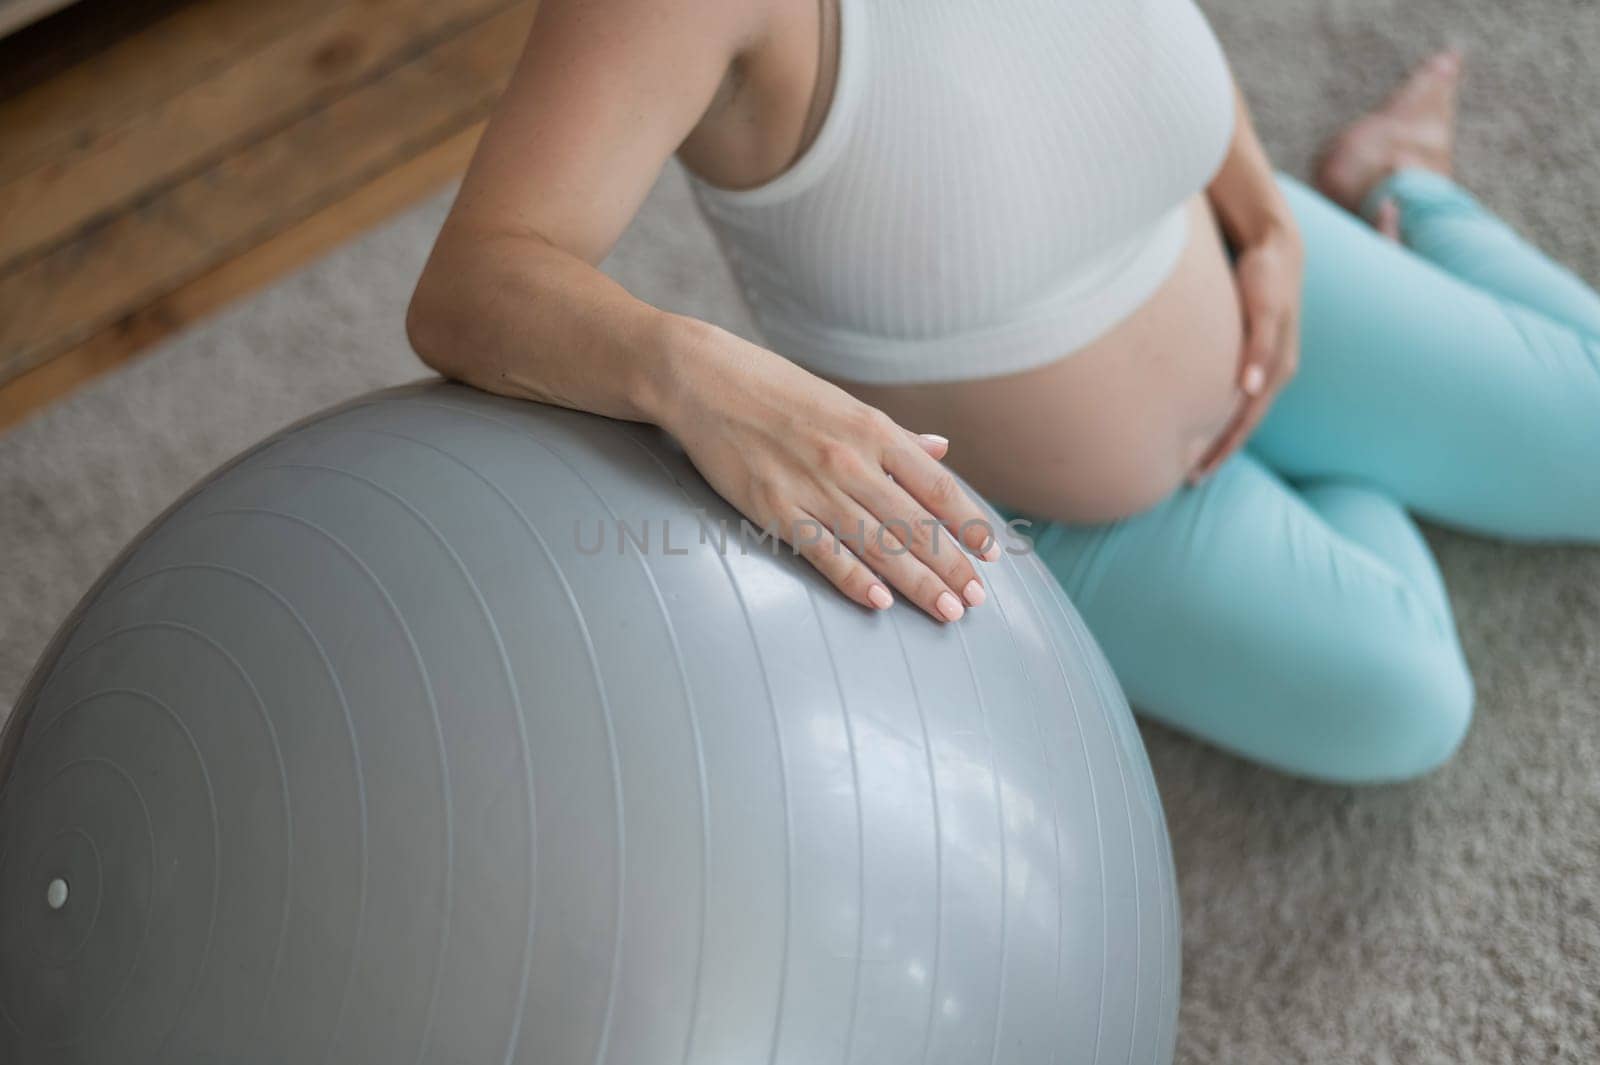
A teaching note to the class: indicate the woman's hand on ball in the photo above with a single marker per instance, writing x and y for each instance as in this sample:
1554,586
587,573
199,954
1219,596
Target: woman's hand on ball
863,500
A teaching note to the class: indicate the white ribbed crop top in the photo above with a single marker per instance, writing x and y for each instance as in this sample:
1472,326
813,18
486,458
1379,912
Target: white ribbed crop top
995,184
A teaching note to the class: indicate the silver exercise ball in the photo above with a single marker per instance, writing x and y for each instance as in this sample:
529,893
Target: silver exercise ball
377,748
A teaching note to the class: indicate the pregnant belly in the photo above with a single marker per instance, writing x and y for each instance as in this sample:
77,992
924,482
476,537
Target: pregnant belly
1112,428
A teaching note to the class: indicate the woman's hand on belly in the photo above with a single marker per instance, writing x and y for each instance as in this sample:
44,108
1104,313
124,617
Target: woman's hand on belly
863,500
1251,209
1267,270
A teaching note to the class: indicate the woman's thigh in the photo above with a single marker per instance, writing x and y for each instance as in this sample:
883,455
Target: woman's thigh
1466,406
1307,631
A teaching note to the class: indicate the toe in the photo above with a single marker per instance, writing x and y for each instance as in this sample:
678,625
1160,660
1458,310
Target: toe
1431,87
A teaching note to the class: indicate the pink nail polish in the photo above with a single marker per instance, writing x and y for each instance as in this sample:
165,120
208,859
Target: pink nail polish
1254,378
935,439
879,597
974,594
949,606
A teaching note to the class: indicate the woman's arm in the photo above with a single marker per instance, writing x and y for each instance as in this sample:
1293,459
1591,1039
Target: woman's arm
1245,192
1257,223
512,301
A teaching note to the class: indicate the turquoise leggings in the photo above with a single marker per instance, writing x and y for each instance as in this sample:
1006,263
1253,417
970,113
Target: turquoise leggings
1288,609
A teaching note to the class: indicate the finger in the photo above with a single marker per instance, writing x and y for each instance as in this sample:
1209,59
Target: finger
1389,219
937,490
1252,379
935,445
1215,455
924,535
1261,347
834,561
1232,438
1252,418
886,555
1238,430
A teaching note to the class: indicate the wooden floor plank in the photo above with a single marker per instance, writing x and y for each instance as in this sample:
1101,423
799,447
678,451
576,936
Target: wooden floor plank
191,43
62,298
390,192
293,76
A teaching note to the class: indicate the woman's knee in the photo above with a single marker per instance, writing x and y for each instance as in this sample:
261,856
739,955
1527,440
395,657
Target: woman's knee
1408,706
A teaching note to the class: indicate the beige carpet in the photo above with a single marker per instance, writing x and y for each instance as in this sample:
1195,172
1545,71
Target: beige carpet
1454,920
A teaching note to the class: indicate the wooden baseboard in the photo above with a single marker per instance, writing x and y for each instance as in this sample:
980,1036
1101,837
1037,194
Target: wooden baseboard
15,14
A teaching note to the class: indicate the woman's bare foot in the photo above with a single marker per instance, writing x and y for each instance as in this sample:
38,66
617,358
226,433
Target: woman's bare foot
1415,127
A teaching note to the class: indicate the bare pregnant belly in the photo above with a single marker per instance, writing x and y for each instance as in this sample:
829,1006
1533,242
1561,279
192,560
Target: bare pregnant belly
1107,430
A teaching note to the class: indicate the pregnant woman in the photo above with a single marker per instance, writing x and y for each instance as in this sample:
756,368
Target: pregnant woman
1038,240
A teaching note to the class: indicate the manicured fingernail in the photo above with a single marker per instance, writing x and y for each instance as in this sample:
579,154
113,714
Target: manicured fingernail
974,594
1254,378
949,606
991,550
879,597
935,439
